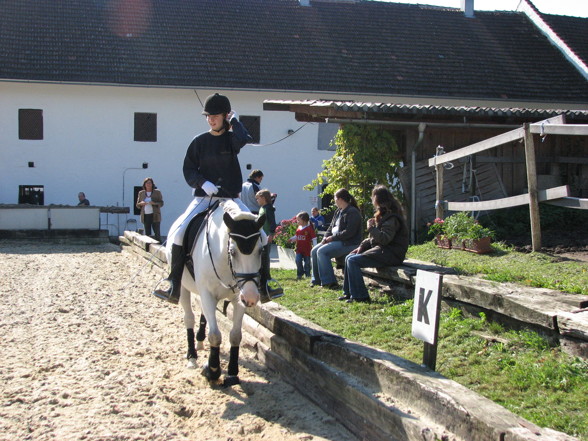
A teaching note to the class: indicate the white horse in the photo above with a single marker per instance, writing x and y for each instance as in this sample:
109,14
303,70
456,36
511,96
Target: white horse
227,260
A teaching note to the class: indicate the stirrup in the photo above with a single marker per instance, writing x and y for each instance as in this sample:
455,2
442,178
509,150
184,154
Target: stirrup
166,294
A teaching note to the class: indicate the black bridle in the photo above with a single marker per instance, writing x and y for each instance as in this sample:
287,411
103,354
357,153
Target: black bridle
239,278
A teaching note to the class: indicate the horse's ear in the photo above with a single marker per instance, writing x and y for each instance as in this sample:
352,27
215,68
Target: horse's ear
229,221
260,221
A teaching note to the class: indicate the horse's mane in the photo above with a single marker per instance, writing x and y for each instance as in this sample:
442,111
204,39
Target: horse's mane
231,207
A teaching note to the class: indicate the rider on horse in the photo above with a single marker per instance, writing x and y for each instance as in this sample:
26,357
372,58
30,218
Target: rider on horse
212,169
211,160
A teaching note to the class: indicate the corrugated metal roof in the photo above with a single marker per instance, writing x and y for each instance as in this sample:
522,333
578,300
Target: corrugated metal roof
364,47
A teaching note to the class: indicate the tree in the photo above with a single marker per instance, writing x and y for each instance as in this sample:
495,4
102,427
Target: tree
366,156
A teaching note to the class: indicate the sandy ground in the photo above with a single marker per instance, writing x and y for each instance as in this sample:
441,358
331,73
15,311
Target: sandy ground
89,354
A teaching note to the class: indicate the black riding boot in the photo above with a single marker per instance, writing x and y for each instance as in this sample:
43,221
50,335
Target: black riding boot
267,293
178,259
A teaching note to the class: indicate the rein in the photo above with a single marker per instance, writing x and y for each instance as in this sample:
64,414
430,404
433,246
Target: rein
239,278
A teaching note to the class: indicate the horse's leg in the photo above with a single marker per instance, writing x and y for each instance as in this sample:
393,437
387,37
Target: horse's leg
211,370
189,319
201,335
235,337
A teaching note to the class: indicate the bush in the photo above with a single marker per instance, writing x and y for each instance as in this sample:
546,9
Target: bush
285,231
462,226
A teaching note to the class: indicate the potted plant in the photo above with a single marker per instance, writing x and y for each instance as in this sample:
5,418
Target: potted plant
467,233
282,238
437,230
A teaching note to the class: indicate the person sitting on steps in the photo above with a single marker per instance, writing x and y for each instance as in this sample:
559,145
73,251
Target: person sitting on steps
211,160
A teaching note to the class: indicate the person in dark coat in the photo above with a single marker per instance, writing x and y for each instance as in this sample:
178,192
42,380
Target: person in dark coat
343,235
386,245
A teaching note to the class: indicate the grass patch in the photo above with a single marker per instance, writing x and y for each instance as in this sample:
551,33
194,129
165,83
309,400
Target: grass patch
521,372
505,265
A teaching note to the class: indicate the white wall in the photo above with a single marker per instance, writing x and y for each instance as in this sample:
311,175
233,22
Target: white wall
88,146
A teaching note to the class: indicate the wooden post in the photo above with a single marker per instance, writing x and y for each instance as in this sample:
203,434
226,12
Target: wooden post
439,191
532,185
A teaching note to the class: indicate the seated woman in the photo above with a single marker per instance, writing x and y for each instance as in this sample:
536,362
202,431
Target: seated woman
343,235
386,245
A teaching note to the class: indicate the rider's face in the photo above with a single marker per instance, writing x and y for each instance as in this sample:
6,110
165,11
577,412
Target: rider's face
215,121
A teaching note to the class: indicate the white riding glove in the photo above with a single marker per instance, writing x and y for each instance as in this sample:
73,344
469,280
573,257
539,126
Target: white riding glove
232,114
209,188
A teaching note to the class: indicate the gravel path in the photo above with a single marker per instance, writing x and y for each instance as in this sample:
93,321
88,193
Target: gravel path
89,354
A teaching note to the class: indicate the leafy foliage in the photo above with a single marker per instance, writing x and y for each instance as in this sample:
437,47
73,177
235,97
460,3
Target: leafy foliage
366,156
463,226
284,232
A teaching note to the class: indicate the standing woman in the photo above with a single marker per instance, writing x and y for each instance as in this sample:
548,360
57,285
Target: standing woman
386,245
150,201
212,169
343,235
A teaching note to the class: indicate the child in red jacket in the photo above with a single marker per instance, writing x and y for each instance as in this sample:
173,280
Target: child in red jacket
305,239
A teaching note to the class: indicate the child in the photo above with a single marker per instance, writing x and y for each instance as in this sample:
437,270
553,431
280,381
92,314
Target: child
305,239
264,199
317,219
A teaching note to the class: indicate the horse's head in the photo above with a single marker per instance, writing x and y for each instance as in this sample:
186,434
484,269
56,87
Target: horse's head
245,245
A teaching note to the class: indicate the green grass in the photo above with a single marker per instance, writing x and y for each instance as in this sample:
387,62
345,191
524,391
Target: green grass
505,265
520,370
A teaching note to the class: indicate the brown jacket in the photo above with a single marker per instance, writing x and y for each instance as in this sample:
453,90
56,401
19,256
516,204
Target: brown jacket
387,242
156,203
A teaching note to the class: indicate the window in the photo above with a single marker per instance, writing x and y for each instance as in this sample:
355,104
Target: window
253,126
146,127
30,124
31,194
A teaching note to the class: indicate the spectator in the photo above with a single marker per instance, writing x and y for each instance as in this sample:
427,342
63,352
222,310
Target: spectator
249,190
343,235
150,201
305,239
386,244
82,198
264,199
317,219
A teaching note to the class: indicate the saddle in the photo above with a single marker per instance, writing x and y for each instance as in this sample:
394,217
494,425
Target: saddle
193,231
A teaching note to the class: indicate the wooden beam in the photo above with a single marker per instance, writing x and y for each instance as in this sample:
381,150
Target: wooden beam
549,194
439,210
504,138
578,203
513,135
560,129
532,186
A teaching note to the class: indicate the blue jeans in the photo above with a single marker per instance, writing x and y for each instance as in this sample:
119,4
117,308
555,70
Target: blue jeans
302,265
353,285
321,255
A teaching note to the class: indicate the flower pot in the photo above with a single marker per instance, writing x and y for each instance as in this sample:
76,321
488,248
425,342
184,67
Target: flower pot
457,244
287,258
479,246
442,241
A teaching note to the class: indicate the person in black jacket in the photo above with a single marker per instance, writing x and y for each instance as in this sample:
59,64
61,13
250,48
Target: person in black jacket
386,245
343,235
212,169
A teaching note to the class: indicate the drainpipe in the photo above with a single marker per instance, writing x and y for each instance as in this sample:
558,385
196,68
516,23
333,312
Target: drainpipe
422,127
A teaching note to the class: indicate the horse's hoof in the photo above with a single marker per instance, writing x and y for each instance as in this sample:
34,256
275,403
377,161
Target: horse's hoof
231,380
200,346
191,364
211,374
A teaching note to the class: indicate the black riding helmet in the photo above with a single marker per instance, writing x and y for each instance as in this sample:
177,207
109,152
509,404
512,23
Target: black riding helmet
216,104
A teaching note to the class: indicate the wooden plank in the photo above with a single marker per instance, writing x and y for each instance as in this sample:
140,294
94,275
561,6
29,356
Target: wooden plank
560,129
513,201
532,186
504,138
578,203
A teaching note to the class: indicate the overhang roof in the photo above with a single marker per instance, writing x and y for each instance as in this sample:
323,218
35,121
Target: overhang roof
325,110
348,47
